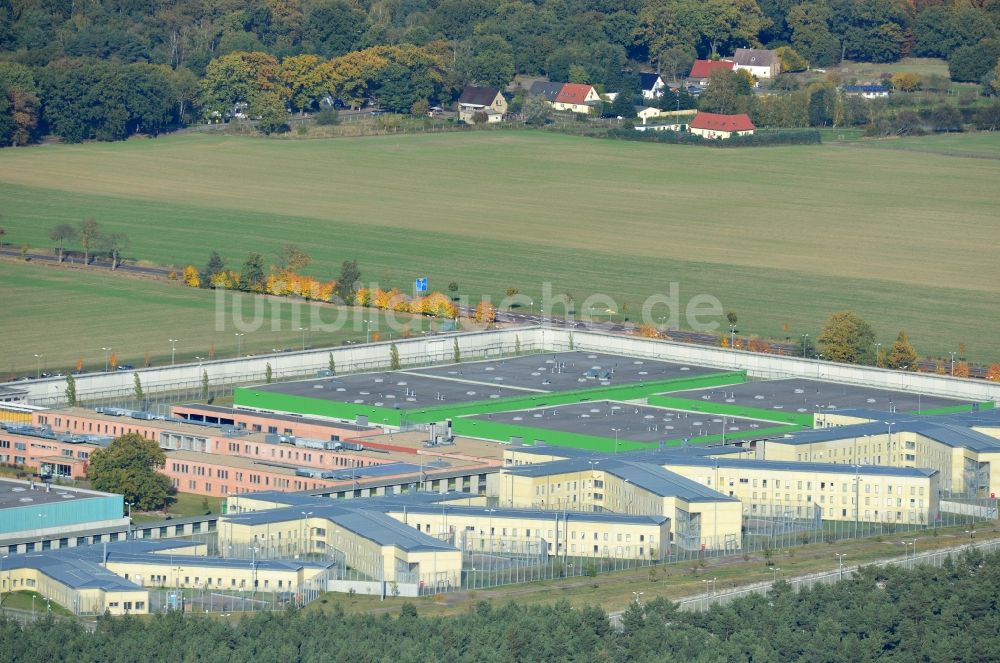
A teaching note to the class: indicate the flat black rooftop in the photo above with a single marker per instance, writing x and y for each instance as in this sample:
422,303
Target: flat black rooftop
16,494
565,371
795,395
636,423
402,390
485,380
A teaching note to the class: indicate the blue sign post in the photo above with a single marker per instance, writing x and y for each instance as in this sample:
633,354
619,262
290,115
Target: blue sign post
420,284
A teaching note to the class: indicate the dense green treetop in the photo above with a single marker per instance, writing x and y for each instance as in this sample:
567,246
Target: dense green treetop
946,613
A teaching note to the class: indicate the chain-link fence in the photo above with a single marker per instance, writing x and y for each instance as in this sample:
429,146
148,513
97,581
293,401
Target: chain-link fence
254,596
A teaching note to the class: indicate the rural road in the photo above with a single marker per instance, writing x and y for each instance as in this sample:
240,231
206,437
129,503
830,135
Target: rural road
503,317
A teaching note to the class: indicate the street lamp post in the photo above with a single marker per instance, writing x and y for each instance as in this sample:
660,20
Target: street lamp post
952,363
38,365
805,342
305,528
911,551
106,351
368,331
774,575
616,430
732,337
840,559
239,344
303,330
173,349
878,355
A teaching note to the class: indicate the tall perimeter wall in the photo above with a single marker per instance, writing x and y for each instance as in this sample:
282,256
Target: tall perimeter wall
494,343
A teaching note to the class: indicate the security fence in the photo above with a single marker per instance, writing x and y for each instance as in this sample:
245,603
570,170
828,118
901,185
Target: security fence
208,599
702,602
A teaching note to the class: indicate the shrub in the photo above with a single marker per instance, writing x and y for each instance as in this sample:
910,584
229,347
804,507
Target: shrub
327,117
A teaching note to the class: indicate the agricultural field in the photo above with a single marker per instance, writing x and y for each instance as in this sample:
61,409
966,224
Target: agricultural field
783,236
922,66
68,314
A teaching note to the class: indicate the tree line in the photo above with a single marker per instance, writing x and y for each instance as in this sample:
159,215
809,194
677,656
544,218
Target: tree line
946,613
90,238
108,69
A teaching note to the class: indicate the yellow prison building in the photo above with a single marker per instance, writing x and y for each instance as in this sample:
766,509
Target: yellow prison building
961,447
698,517
118,577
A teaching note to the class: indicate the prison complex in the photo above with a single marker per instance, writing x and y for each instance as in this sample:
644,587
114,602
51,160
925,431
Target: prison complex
429,478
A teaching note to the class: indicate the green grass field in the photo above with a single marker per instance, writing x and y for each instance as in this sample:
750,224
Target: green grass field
783,236
66,314
923,66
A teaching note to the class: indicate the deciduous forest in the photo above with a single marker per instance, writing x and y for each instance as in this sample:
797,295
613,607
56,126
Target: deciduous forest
107,69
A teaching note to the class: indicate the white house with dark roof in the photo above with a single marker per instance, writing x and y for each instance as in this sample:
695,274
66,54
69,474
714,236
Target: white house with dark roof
652,85
762,63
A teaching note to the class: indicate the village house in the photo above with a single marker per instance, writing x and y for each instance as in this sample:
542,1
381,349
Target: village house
702,69
485,100
761,63
716,126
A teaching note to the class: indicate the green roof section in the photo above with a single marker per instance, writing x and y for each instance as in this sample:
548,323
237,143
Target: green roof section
952,409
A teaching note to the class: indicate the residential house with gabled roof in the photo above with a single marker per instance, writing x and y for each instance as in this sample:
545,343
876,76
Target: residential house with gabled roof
717,126
576,97
702,69
546,90
485,100
652,85
762,63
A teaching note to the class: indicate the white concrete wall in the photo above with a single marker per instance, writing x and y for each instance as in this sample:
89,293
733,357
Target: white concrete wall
485,344
768,366
373,588
247,370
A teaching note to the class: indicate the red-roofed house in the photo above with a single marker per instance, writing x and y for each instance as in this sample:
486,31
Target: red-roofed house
702,69
714,125
576,97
